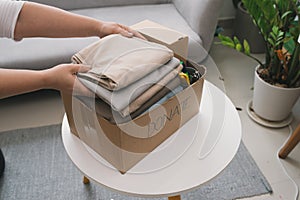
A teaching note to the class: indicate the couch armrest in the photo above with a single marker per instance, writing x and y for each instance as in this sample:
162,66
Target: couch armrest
202,16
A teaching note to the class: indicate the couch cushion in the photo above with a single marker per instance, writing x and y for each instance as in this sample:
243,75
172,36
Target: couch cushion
80,4
40,53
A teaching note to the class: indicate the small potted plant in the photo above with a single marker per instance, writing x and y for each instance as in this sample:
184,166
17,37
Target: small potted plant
278,76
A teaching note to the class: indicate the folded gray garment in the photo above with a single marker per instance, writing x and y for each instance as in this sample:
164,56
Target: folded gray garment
104,110
118,61
140,100
122,98
169,95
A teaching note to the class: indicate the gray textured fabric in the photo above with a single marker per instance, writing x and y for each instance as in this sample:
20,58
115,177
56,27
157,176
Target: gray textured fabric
164,14
202,16
78,4
38,167
9,12
41,53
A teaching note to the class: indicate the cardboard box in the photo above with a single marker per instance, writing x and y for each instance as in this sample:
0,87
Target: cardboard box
124,145
155,32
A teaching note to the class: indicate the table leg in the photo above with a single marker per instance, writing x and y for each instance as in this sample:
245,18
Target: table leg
86,180
293,140
174,197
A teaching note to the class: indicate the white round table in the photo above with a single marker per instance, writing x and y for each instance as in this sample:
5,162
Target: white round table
183,162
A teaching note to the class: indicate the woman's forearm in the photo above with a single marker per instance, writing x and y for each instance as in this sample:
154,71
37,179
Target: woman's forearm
61,77
13,82
37,20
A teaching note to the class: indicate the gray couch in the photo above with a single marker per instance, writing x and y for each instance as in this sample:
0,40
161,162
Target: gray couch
196,18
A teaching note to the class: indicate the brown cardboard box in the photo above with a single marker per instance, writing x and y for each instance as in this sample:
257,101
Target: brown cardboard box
155,32
124,145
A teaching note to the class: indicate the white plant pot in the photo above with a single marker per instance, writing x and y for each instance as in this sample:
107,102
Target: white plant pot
271,102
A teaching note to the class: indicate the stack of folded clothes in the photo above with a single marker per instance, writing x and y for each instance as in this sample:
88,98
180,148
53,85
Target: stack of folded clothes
128,76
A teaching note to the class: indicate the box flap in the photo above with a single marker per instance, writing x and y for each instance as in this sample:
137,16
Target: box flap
159,32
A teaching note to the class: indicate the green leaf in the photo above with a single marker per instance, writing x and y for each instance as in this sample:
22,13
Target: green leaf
246,47
289,45
278,43
279,39
238,47
236,40
225,38
281,34
273,36
229,44
275,30
227,41
286,14
271,41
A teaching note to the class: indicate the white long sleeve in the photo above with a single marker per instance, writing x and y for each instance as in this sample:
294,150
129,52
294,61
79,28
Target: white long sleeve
9,12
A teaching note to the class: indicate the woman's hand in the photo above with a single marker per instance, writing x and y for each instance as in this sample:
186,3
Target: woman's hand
108,28
63,77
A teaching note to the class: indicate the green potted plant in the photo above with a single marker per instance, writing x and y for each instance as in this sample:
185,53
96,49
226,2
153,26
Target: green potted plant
244,28
278,23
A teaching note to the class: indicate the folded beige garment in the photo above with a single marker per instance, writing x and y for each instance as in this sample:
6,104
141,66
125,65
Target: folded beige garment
118,61
140,100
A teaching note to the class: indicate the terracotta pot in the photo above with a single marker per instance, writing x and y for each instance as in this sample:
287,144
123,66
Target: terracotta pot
271,102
